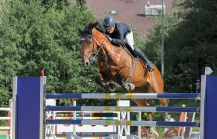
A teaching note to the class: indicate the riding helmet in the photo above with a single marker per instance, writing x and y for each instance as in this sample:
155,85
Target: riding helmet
108,22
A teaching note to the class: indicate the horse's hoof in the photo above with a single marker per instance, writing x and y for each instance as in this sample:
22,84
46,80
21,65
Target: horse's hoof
128,86
131,86
111,87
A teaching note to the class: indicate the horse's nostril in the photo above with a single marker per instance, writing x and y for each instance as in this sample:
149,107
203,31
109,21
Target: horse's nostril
87,63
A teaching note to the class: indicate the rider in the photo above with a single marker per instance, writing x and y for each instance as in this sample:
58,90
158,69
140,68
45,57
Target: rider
117,32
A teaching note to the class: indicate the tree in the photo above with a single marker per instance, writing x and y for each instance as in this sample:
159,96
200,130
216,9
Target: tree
189,38
37,37
33,39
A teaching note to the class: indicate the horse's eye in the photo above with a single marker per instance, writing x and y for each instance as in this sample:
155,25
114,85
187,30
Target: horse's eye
89,42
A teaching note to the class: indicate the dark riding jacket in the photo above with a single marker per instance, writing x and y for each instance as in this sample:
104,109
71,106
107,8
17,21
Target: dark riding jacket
119,33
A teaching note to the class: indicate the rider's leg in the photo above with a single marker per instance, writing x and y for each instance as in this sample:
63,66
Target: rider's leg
130,41
139,53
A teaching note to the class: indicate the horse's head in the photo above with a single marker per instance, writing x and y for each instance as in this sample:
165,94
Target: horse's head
88,43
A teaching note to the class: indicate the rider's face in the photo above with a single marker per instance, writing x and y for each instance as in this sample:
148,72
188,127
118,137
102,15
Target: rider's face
111,30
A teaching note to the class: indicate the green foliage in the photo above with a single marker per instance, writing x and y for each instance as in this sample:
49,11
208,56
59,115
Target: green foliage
33,39
57,4
189,38
37,36
81,3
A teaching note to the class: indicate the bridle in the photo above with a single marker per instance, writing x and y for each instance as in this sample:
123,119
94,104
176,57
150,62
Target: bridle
104,56
91,59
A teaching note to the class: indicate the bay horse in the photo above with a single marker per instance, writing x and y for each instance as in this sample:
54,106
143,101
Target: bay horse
116,65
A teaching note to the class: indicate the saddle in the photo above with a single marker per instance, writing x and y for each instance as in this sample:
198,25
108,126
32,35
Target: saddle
129,50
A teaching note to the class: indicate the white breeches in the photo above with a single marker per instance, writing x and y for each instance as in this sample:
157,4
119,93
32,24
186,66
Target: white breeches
130,40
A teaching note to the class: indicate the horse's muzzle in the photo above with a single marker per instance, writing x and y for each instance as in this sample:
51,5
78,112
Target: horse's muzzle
86,63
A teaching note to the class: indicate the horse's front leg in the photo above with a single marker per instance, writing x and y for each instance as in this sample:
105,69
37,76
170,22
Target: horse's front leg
102,81
123,75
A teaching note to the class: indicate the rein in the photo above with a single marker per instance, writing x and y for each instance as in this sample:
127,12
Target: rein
101,48
99,45
105,57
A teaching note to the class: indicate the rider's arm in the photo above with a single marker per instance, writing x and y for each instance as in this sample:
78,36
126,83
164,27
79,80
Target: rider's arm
120,39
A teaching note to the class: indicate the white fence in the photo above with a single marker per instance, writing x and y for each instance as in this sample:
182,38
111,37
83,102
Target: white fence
8,118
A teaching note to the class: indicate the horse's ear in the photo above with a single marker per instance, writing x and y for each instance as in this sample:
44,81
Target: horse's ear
90,25
79,30
90,28
96,24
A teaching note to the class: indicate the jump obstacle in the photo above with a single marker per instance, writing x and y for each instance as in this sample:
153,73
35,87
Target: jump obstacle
32,124
60,131
55,131
99,131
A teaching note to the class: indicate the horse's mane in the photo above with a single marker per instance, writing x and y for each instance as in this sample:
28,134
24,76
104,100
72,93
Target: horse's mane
99,27
88,29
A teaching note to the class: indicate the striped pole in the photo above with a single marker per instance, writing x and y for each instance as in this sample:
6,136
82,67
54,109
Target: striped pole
123,108
119,123
91,118
68,112
71,115
125,96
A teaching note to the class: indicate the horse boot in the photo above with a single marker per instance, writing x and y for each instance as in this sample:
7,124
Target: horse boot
139,53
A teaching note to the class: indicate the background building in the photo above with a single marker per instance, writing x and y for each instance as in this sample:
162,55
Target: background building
131,12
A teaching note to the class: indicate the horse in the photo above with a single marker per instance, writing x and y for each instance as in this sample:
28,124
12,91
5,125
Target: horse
117,66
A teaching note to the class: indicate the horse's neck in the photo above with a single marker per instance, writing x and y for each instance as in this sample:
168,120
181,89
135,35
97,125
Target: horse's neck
105,46
108,49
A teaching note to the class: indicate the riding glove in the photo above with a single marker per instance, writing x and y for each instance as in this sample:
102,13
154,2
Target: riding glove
109,38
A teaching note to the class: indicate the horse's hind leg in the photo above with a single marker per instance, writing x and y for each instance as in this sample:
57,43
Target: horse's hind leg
167,116
147,88
162,100
142,102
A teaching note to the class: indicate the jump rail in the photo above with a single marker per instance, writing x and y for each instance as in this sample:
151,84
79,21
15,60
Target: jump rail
26,88
125,96
122,108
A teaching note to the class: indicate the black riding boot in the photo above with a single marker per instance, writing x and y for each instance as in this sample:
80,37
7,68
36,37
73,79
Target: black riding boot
139,53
